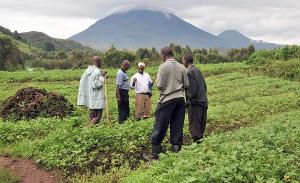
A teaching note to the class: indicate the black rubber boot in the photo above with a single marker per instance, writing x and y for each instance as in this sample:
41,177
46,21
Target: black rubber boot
176,148
156,150
197,140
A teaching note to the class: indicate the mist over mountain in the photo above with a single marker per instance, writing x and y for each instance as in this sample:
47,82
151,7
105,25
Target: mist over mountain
146,28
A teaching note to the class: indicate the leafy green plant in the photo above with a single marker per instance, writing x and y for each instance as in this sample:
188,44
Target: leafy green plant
265,153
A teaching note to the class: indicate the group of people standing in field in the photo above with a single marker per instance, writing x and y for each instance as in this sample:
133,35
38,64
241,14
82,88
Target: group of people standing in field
181,87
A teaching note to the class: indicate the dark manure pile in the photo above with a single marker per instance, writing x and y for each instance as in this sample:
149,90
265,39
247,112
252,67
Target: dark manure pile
30,103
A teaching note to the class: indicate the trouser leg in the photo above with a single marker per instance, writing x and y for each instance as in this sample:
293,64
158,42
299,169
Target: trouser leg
197,121
147,106
123,106
126,105
139,105
163,116
95,116
177,123
203,121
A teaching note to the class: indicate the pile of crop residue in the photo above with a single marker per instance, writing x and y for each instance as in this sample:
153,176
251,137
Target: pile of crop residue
30,103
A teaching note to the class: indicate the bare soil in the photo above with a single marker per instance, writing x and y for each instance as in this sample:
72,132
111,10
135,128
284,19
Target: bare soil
27,170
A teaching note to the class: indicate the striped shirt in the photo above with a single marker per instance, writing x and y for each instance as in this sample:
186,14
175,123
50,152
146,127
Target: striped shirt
122,80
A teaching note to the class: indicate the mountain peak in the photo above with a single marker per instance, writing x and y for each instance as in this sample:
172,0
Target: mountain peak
233,34
144,10
146,28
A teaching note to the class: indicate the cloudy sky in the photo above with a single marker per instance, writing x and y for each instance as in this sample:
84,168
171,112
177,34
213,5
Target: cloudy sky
275,21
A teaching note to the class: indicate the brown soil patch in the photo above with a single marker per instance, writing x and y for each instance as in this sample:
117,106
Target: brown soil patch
26,170
29,103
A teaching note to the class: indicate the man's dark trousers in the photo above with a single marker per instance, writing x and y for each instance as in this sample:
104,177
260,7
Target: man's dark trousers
197,120
123,106
171,112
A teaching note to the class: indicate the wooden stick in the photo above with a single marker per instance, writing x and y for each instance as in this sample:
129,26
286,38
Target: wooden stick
106,102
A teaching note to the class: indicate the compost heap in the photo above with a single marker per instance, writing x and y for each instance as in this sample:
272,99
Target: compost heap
30,103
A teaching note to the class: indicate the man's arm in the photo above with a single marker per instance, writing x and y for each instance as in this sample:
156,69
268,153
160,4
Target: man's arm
118,95
133,82
193,89
119,82
98,80
160,78
149,78
185,79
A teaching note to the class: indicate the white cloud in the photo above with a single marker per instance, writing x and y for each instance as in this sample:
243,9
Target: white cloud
59,27
269,20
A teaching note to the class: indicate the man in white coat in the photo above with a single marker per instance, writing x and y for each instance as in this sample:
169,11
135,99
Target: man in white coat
91,92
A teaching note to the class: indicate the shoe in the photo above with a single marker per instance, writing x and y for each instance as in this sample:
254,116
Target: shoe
176,148
197,140
150,157
156,150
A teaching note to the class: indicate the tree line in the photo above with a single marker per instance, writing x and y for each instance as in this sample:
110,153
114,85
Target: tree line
11,58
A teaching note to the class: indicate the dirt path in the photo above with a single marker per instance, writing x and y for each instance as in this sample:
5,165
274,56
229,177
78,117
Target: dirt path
26,170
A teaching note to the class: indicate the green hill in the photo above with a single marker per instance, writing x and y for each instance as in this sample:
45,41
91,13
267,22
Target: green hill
41,40
23,47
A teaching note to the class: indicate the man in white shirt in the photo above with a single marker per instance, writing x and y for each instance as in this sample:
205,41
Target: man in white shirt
141,83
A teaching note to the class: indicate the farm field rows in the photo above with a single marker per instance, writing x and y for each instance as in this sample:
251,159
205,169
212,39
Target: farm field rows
238,98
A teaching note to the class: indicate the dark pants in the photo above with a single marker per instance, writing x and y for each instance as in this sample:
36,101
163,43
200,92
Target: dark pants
123,106
95,116
197,120
171,112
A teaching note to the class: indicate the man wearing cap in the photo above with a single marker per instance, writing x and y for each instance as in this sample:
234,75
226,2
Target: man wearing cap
141,83
122,87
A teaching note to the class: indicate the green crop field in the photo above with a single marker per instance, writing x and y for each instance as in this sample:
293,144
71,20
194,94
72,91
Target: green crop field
252,135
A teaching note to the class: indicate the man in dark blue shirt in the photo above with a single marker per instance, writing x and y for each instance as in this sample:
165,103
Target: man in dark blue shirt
122,88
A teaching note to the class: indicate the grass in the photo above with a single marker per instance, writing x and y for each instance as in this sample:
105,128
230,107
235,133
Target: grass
268,152
7,177
284,69
237,98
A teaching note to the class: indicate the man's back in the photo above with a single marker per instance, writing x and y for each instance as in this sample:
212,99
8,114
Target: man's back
197,90
171,80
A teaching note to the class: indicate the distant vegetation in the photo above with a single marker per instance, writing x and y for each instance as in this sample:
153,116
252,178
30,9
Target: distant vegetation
14,34
43,41
41,51
10,56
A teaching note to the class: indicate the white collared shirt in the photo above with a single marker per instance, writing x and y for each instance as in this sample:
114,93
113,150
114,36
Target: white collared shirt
142,83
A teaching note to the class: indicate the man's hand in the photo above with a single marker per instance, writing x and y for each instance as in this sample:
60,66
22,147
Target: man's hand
119,100
134,81
104,73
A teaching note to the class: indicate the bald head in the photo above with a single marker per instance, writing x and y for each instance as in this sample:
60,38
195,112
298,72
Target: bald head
125,65
97,61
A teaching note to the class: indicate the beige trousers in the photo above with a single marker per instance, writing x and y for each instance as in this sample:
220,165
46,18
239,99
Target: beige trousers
142,106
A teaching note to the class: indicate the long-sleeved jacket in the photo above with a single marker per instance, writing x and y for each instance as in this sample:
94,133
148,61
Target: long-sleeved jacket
197,91
171,80
91,89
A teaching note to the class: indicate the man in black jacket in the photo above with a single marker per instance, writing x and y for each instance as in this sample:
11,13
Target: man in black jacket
197,102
